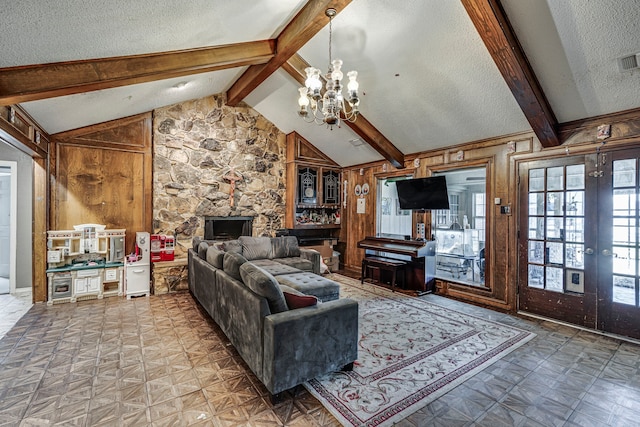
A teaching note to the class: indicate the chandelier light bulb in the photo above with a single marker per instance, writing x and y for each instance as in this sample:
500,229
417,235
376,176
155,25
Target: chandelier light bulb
353,85
336,74
303,101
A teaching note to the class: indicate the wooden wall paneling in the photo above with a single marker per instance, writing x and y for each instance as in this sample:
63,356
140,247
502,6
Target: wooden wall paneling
103,174
39,230
359,225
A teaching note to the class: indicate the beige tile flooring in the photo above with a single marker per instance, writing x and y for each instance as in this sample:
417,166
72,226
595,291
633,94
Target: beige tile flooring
12,308
160,361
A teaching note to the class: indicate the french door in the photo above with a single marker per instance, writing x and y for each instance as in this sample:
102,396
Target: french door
579,240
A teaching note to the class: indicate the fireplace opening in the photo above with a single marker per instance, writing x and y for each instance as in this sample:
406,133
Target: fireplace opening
227,227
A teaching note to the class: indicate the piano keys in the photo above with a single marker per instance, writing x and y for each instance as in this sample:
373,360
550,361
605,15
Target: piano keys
419,255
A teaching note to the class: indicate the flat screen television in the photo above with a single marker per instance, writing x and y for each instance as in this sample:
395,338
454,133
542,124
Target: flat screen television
423,193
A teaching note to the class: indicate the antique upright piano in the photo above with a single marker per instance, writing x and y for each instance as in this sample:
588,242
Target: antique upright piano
420,257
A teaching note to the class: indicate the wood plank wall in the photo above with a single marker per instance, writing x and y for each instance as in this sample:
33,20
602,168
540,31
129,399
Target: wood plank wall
103,174
501,156
495,154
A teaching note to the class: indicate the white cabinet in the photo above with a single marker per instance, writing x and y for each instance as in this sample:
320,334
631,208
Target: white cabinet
87,283
138,277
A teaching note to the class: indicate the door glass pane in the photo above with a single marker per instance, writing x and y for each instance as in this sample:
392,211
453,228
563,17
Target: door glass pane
555,203
624,173
555,178
536,204
624,260
624,231
624,202
575,177
554,253
555,228
536,180
554,280
536,252
536,276
536,228
574,230
624,290
574,255
575,203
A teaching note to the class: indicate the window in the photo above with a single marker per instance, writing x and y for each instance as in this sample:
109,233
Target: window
390,218
460,232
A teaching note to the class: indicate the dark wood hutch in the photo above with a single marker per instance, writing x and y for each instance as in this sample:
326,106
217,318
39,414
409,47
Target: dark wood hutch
313,188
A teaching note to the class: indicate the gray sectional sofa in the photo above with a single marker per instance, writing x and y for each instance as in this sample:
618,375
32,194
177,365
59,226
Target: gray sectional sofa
240,284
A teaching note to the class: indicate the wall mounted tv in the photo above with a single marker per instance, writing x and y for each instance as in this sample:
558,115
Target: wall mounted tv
423,193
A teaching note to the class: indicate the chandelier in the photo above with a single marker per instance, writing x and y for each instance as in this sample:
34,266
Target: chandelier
326,108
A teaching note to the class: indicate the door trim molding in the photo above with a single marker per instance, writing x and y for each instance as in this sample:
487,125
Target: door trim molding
13,222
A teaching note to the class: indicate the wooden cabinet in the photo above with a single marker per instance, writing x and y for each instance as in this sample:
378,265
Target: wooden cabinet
313,187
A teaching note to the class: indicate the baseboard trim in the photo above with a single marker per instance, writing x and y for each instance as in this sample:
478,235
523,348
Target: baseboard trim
581,328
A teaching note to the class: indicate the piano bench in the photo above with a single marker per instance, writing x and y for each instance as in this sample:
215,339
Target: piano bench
385,264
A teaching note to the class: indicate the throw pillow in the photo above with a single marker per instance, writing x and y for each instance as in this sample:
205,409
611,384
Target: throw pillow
231,263
265,285
196,242
255,247
202,250
285,247
232,246
215,257
299,301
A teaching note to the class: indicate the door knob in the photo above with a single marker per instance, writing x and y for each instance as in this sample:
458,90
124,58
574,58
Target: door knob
606,252
588,251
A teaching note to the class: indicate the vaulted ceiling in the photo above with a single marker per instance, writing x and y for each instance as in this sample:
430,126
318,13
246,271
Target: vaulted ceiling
432,73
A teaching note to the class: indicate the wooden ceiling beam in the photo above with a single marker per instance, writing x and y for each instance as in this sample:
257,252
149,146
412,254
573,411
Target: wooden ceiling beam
295,67
33,82
306,24
494,28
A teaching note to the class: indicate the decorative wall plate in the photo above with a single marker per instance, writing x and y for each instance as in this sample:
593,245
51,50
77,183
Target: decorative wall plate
358,190
365,189
308,192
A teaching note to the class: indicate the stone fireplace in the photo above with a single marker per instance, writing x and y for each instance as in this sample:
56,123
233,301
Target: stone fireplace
227,227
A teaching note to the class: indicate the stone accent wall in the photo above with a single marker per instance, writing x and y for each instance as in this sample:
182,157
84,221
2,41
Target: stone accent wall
196,144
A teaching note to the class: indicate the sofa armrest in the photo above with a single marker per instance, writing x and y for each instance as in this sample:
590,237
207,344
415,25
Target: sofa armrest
313,256
302,344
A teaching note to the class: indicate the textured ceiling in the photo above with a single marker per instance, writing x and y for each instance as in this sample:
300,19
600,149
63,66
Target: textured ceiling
426,78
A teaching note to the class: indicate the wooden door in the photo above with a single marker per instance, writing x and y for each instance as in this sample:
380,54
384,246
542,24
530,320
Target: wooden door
579,240
556,221
618,250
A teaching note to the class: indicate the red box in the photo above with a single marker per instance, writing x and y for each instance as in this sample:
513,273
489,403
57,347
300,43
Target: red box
157,244
167,250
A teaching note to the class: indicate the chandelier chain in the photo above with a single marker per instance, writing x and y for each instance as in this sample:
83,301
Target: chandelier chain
330,42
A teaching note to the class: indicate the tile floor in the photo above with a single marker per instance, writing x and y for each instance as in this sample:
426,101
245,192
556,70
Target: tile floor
160,361
12,308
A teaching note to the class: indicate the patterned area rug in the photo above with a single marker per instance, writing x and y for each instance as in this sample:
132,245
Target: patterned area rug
410,353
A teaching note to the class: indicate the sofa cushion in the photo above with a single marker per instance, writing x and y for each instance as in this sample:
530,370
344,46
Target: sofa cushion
285,247
232,246
265,285
274,268
232,262
255,247
311,284
202,250
297,263
299,301
215,257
